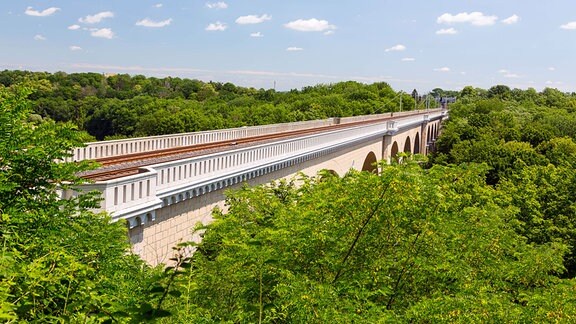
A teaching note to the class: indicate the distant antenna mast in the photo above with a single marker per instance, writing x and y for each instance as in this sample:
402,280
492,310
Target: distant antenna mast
274,85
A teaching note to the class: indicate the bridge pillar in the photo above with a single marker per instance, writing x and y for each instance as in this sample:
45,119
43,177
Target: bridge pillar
386,145
423,139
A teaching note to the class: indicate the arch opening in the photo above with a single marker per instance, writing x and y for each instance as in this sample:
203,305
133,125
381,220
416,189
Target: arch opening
327,173
407,145
370,163
417,144
394,152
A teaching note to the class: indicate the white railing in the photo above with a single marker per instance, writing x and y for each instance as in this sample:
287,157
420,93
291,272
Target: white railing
401,114
96,150
144,192
124,194
103,149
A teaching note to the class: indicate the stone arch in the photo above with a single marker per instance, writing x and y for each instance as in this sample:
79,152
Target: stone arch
327,173
394,150
332,172
407,145
370,163
417,144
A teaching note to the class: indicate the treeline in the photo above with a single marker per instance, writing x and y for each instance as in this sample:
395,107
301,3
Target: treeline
127,106
528,142
481,231
120,106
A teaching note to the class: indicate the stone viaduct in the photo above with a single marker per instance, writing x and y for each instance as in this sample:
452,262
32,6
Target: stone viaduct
164,201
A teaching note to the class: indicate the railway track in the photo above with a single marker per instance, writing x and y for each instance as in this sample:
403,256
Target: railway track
122,166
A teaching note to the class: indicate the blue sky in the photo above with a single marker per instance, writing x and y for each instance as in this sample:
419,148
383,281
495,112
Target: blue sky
422,44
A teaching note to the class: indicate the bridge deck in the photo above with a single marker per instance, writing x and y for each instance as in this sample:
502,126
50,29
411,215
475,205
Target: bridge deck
125,165
142,183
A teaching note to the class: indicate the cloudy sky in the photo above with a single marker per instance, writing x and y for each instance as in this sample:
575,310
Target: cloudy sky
420,44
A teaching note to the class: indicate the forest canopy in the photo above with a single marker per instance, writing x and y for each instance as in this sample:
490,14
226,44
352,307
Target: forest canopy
482,230
121,105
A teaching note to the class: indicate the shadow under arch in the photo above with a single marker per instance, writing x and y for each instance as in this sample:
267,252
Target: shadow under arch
417,144
370,163
407,145
394,152
327,173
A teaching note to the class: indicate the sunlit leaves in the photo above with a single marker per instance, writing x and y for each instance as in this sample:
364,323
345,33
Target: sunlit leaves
407,244
59,261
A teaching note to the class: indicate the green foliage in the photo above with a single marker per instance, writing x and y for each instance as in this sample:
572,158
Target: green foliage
59,262
485,234
128,106
501,92
527,140
406,245
544,195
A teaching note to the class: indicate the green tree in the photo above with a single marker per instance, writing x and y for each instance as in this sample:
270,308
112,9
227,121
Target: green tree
544,195
59,262
405,245
501,92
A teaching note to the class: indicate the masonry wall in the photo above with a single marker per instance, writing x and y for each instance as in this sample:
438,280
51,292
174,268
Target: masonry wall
174,223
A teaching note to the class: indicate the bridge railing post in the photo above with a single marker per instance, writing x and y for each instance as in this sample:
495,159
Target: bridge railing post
392,124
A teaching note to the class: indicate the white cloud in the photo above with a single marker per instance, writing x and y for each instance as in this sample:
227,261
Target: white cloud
551,68
557,83
507,74
94,19
75,48
217,26
39,37
153,24
252,19
396,48
294,49
44,13
328,32
408,59
569,26
442,69
474,18
310,25
257,34
447,31
102,33
158,5
511,20
74,27
217,5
